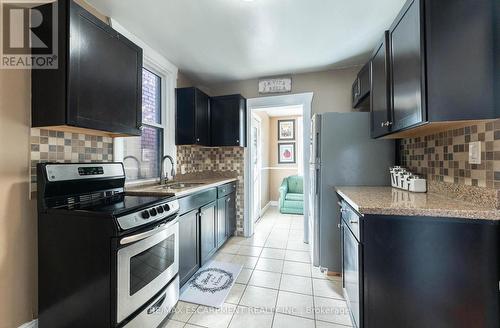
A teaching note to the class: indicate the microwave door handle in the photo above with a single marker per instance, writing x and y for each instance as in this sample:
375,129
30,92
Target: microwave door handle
144,235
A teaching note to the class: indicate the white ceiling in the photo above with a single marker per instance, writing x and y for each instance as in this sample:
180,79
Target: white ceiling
223,40
281,111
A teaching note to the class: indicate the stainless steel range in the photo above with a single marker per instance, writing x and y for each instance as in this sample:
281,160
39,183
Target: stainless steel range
106,259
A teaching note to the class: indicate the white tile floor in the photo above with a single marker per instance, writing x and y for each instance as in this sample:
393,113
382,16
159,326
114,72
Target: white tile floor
278,287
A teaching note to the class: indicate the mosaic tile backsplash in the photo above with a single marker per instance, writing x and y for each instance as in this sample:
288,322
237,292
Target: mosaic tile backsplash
226,161
66,147
444,157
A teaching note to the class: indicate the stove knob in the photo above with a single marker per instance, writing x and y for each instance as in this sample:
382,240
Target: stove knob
166,207
159,209
152,212
145,215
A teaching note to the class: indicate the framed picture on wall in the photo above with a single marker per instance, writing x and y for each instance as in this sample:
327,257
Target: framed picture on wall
286,129
286,153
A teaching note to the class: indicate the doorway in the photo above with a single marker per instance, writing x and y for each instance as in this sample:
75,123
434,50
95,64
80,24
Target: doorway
264,169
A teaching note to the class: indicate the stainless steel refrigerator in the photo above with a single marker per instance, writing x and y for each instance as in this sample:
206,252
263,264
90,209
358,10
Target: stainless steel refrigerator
342,154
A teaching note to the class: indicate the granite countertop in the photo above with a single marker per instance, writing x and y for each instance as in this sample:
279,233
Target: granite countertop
157,190
392,201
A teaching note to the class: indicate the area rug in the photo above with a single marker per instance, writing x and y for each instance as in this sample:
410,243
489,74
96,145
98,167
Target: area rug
211,284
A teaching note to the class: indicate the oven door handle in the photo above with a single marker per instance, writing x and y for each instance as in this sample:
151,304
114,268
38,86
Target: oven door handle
157,305
144,235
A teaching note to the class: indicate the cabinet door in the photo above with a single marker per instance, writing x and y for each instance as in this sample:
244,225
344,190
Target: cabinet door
208,224
192,117
407,67
231,214
221,221
228,120
202,122
189,260
380,101
104,91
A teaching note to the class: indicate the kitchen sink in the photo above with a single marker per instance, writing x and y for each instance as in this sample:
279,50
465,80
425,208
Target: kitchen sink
180,185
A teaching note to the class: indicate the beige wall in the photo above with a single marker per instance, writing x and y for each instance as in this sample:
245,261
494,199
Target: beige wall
18,220
277,172
332,88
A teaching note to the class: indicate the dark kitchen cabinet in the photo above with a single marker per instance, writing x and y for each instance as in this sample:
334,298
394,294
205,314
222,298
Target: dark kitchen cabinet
192,117
361,89
95,88
226,212
443,66
413,271
231,215
406,62
228,120
380,104
222,212
208,237
189,259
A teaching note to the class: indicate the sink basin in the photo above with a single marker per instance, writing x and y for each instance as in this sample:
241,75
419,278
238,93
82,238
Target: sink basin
180,185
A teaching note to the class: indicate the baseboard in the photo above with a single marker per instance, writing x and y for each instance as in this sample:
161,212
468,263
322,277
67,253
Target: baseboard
264,209
31,324
273,203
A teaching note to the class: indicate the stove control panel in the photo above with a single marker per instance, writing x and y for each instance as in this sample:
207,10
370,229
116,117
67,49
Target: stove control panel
149,214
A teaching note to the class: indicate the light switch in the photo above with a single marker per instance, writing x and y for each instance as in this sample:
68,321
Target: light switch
475,152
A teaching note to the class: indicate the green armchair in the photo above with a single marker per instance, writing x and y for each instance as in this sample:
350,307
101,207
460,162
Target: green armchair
292,195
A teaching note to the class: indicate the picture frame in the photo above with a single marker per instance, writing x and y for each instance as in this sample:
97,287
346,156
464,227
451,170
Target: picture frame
286,153
286,129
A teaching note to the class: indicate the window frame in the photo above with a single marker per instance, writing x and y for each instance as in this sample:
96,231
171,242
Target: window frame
160,66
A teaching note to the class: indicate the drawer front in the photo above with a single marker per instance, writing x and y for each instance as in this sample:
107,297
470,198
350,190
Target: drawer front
195,201
351,219
226,189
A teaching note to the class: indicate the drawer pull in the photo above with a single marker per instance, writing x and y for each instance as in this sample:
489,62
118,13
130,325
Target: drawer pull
353,222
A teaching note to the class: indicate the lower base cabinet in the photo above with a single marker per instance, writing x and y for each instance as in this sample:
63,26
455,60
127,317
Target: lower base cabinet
414,272
208,225
207,220
189,259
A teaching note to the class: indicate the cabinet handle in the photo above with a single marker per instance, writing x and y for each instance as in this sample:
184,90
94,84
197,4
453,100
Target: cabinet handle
353,222
238,140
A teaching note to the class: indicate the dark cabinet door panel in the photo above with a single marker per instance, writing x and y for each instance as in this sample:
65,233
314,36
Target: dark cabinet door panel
407,70
202,123
231,214
221,220
208,237
228,120
189,260
192,117
380,93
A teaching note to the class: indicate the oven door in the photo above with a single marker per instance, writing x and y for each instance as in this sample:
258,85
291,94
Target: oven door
145,265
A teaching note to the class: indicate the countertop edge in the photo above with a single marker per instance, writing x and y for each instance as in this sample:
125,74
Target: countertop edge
182,193
476,215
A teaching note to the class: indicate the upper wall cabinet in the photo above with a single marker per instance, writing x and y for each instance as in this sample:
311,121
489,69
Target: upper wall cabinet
361,89
98,83
192,117
444,65
228,120
379,94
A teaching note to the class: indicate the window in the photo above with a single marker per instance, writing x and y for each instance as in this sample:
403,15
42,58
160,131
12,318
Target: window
142,155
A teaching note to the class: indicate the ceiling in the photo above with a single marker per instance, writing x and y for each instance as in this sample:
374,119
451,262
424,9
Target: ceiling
281,111
224,40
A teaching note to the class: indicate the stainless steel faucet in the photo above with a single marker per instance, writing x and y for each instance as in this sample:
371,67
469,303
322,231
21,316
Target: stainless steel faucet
163,174
139,175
